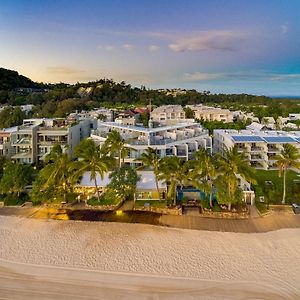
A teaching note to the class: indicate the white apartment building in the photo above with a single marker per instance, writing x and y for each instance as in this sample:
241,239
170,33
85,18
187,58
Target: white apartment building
5,145
244,116
208,113
294,117
168,114
261,147
32,141
97,113
181,140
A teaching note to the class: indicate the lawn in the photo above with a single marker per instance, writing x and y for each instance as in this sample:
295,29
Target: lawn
103,201
153,203
273,193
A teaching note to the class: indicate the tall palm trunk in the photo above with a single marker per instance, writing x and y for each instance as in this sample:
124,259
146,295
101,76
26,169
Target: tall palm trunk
65,191
284,186
157,188
210,192
96,186
229,194
175,189
120,162
210,198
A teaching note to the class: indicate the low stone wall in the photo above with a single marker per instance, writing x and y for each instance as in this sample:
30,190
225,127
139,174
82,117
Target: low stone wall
164,211
281,209
225,214
102,207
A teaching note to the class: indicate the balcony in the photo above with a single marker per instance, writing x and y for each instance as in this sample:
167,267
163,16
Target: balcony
22,141
18,155
257,158
274,150
51,143
243,149
181,153
257,149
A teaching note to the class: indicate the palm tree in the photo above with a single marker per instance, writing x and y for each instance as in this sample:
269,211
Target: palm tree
288,158
230,165
116,144
170,170
58,171
92,158
204,172
150,159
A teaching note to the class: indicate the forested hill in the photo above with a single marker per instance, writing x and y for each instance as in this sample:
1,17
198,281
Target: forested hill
60,99
11,80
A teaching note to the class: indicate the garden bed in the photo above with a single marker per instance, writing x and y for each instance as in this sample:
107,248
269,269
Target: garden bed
225,215
156,206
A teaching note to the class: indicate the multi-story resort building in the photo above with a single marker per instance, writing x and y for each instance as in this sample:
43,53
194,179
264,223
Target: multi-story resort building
261,147
5,148
208,113
181,140
168,114
32,141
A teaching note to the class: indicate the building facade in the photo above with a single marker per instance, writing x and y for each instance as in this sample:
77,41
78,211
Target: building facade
168,114
208,113
32,141
261,147
181,140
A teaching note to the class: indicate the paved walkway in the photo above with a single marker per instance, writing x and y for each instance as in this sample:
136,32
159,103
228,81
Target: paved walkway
127,205
253,212
259,224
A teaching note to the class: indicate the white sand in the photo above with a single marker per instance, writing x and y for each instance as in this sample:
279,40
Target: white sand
258,257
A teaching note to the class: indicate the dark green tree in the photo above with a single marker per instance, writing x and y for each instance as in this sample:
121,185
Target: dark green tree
123,182
15,178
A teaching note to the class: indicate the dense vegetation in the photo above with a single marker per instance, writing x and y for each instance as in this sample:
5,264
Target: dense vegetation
61,99
10,80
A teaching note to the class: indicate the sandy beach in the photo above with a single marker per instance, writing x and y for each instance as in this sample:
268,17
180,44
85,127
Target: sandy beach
231,259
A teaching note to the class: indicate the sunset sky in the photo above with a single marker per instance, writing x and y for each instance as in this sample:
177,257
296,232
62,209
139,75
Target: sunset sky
224,46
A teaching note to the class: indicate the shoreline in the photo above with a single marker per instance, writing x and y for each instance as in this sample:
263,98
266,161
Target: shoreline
62,282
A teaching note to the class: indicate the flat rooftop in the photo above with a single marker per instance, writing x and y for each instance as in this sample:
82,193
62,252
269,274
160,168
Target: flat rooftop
148,130
268,136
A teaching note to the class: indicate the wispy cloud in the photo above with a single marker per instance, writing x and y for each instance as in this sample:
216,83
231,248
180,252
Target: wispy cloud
107,47
222,40
128,47
280,77
209,40
284,28
153,48
63,70
252,75
197,76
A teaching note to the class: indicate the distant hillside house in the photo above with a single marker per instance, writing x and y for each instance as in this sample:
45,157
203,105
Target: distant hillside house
167,114
208,113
